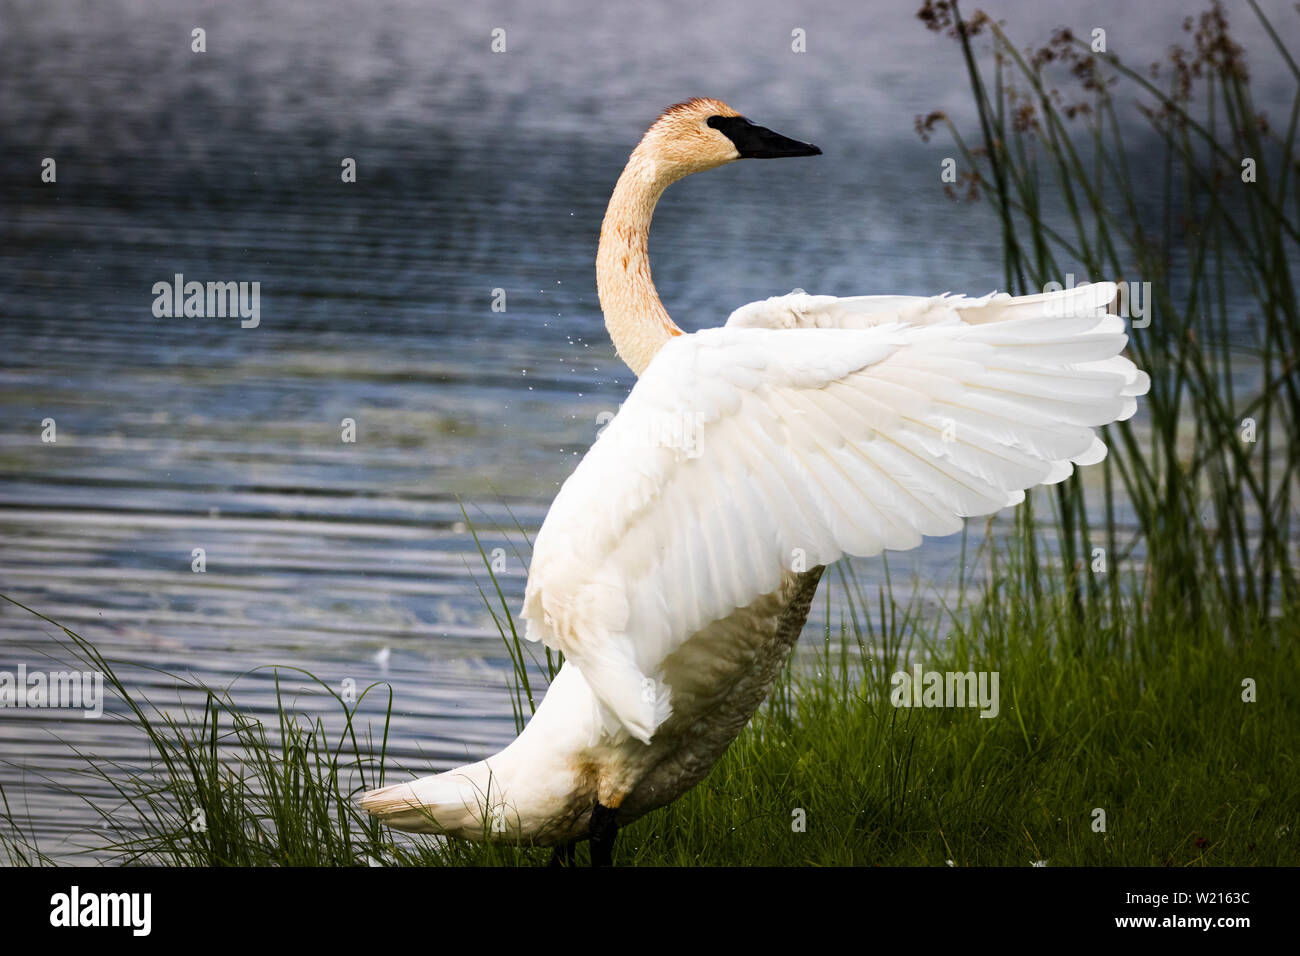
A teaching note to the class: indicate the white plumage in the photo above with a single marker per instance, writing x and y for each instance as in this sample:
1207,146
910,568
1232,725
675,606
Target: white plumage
811,440
675,567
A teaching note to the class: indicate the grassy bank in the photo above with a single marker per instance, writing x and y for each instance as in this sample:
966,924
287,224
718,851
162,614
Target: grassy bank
1147,726
1144,633
1143,723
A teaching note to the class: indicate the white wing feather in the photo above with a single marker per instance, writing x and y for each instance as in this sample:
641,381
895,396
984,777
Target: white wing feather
799,310
785,441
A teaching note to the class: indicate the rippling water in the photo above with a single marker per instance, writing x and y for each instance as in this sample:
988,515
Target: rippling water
475,172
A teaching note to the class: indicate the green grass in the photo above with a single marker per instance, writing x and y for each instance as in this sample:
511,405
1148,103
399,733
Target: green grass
1186,773
1121,690
1146,724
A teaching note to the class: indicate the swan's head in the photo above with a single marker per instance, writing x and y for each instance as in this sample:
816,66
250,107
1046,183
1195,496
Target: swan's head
703,134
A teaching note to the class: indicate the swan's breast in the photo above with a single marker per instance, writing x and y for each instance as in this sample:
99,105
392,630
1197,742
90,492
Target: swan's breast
718,677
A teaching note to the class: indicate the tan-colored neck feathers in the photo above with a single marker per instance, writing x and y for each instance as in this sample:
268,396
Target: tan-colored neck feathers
634,316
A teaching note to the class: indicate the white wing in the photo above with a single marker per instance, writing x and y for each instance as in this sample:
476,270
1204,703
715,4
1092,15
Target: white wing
799,310
744,452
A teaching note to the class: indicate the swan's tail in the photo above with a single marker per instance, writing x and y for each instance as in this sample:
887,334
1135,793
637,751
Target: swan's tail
460,802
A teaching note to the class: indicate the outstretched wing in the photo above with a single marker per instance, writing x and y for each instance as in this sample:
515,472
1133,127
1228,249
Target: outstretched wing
799,310
744,452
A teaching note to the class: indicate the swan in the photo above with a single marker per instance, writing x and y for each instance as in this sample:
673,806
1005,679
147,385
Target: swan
677,564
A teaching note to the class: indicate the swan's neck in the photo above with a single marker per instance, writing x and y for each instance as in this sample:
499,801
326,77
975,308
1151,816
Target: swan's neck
636,319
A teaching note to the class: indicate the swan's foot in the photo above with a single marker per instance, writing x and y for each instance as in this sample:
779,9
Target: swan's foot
604,827
562,855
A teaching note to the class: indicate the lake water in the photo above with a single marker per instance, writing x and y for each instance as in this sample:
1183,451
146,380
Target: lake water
475,172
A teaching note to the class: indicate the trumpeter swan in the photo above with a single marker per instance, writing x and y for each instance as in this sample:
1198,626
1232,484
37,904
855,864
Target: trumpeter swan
677,564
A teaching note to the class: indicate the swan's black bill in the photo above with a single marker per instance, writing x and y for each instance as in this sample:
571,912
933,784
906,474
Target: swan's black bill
759,142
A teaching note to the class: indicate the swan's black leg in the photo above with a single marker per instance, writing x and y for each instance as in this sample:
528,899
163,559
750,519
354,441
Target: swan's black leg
562,855
604,827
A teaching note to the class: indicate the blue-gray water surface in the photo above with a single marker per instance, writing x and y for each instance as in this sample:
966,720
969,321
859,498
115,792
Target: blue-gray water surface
476,171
